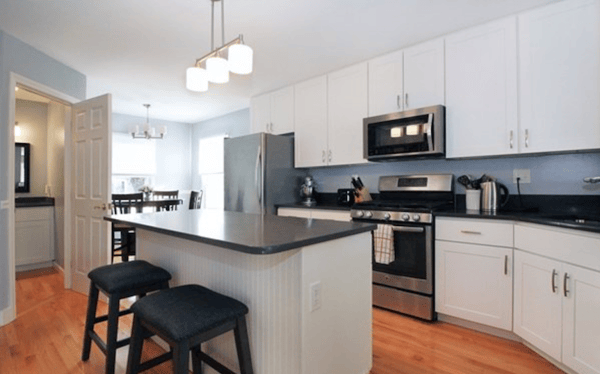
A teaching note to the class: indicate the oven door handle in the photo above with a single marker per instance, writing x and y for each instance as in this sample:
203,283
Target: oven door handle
407,229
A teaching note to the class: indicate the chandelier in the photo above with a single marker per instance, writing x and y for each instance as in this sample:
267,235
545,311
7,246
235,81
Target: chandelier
216,70
148,132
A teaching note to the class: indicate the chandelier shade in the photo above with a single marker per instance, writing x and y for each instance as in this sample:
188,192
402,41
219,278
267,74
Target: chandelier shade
218,70
240,59
196,79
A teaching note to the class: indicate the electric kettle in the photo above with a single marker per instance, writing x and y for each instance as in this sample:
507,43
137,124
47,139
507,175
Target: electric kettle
490,196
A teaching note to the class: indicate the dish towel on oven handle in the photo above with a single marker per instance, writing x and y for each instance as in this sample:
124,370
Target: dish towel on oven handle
383,239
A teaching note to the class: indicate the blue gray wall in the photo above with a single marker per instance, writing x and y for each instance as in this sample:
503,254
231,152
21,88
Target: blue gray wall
551,174
234,124
173,153
21,58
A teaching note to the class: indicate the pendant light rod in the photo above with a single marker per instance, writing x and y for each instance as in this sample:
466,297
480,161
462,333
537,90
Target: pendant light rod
238,40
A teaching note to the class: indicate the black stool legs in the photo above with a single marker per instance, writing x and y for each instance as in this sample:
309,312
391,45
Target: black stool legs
89,321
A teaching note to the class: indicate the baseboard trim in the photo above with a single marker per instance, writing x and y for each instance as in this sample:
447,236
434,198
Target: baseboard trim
7,316
39,265
551,360
505,334
58,267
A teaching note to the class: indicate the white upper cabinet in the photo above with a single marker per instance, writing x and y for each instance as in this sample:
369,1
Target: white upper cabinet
385,84
347,106
273,112
408,79
311,147
424,75
559,67
481,90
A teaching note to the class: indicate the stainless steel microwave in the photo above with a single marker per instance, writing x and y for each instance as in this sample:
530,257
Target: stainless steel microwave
412,133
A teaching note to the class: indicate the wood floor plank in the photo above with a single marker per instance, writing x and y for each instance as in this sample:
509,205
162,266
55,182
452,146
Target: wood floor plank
47,336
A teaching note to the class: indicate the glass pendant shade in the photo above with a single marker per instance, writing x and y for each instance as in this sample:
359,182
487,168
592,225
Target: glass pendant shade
196,79
240,59
218,71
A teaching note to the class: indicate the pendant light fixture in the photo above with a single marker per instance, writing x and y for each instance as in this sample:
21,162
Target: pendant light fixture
147,131
217,68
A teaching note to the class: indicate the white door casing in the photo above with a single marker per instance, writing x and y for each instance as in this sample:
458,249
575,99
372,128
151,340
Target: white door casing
91,170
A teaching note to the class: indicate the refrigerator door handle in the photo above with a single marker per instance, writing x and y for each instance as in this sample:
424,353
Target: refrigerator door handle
256,180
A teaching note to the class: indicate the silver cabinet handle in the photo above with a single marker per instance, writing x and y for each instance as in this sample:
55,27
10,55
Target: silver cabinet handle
398,101
506,265
470,232
511,139
407,229
526,138
591,180
406,100
554,274
323,157
565,279
330,155
256,168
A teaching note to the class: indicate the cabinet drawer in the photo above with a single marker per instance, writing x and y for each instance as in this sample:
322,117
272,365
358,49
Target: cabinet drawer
476,231
33,214
331,214
293,212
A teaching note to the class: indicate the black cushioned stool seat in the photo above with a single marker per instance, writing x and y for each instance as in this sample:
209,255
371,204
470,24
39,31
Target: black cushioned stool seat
185,317
118,281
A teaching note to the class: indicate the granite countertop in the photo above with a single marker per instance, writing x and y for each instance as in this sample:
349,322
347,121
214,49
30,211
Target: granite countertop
591,224
249,233
33,201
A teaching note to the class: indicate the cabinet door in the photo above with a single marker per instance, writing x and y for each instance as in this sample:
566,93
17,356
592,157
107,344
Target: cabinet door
385,84
537,303
559,60
347,106
474,282
33,242
282,111
424,75
260,113
581,325
481,90
310,138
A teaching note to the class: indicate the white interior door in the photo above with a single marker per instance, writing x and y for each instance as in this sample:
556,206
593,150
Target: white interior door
91,170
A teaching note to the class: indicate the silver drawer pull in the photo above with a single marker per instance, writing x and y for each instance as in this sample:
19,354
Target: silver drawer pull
565,280
407,229
591,180
505,265
470,232
554,274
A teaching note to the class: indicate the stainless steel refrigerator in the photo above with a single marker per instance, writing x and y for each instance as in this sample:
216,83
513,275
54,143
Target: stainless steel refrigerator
259,173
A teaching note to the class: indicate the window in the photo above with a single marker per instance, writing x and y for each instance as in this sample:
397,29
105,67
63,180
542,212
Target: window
210,168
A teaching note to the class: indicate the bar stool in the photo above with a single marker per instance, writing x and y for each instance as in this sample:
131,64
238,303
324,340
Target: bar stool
118,281
185,317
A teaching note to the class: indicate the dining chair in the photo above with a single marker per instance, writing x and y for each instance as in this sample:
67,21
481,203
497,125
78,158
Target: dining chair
196,199
165,195
123,244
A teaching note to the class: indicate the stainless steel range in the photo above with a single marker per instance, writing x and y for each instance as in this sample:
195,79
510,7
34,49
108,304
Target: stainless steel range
403,243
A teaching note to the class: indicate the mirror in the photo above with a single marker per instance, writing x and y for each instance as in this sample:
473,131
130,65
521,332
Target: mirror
22,167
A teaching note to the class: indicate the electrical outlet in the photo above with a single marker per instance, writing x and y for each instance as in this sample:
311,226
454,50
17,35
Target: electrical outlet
524,174
315,296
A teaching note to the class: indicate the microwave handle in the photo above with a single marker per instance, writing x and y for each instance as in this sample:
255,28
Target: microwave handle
429,133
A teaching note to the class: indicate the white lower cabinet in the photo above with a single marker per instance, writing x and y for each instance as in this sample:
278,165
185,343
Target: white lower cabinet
557,294
34,236
334,215
474,281
537,310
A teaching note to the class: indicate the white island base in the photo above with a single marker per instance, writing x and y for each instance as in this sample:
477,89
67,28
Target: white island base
290,333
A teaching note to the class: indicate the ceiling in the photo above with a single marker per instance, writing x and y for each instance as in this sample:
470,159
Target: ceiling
138,50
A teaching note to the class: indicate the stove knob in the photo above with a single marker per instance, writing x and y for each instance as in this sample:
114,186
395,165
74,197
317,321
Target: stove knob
405,217
368,214
360,213
387,216
416,218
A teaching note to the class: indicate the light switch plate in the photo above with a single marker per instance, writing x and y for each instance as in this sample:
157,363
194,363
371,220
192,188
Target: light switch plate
4,204
524,174
315,296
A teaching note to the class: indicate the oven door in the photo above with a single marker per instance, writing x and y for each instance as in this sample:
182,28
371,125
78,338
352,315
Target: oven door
412,265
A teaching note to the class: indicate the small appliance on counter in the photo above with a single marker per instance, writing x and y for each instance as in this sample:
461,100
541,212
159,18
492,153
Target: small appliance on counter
308,192
345,196
490,196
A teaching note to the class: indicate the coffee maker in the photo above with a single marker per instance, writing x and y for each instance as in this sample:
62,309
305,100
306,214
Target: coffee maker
308,192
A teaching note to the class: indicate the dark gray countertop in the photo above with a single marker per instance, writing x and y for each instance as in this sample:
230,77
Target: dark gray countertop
33,201
249,233
544,218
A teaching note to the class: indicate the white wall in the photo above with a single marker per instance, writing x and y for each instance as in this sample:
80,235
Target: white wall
23,59
234,124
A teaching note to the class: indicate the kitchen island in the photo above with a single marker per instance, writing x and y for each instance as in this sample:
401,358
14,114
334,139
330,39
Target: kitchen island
306,282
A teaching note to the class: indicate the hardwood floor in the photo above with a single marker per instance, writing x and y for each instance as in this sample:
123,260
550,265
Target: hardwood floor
47,334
